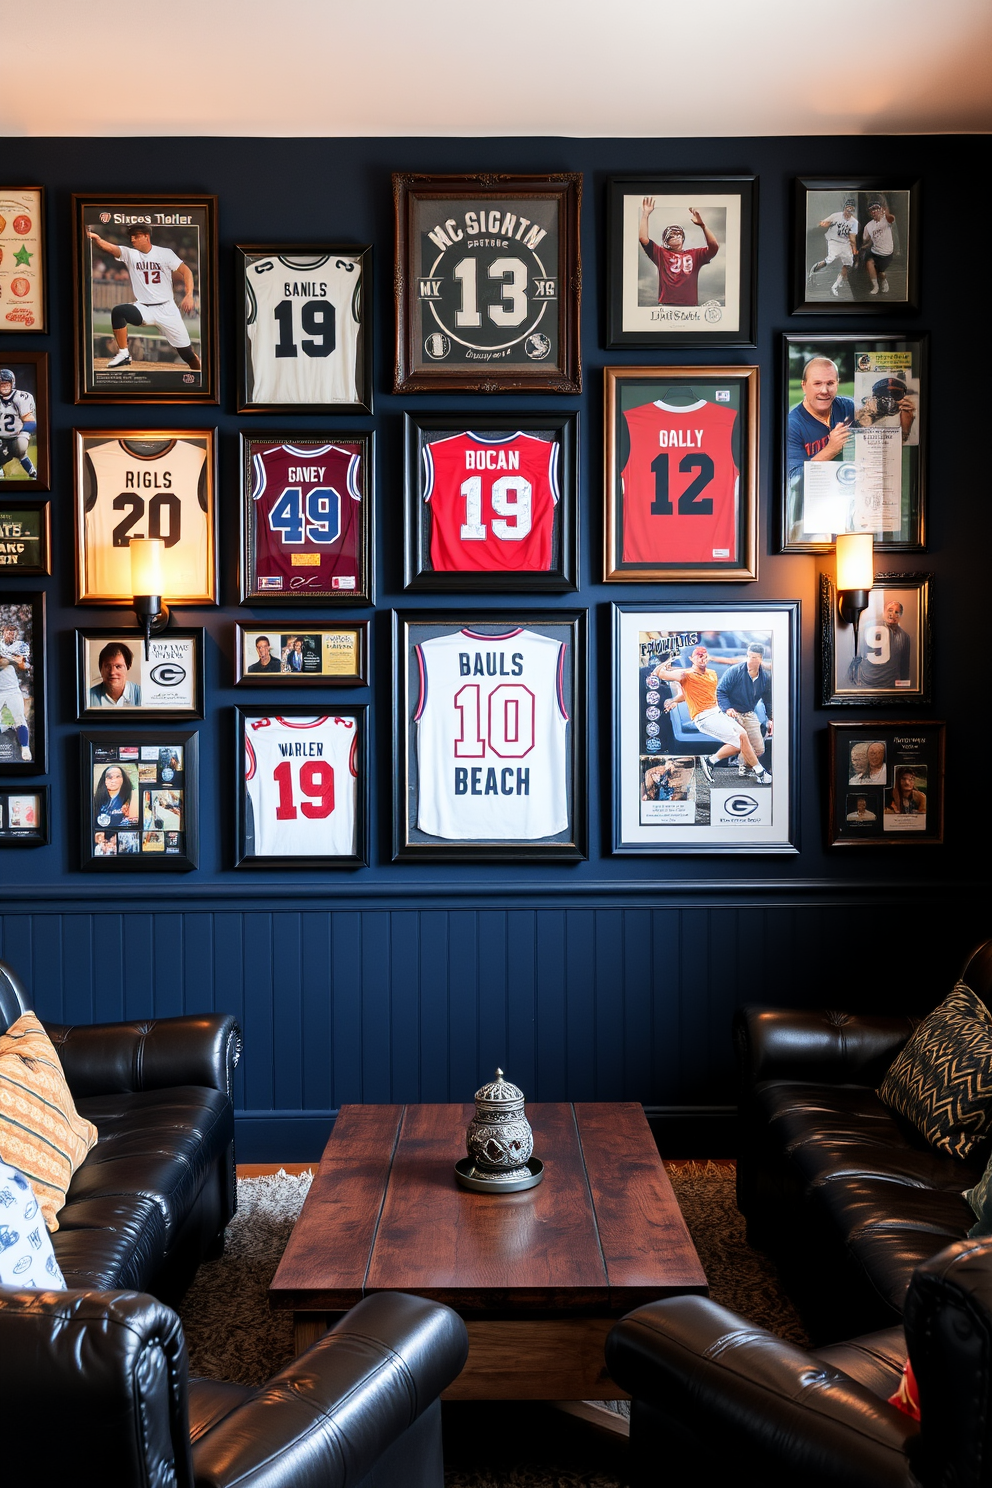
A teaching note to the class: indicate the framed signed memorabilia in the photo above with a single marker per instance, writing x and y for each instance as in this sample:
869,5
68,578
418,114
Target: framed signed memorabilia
891,662
23,267
487,283
138,798
303,795
855,425
145,483
146,298
681,261
856,245
22,684
312,655
705,740
116,682
25,537
306,519
24,421
25,811
681,474
886,784
306,341
491,505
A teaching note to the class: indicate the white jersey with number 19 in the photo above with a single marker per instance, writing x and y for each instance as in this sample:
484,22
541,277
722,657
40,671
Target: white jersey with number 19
303,322
300,775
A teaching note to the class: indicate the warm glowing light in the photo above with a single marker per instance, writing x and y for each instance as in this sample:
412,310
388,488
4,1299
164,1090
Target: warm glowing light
146,565
855,561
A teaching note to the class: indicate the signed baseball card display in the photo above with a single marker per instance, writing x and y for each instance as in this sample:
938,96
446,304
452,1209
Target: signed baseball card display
23,272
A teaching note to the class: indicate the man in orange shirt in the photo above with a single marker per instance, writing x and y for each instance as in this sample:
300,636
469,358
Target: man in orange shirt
698,682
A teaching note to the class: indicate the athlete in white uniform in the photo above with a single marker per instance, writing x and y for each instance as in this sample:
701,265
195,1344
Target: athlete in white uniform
842,238
491,737
301,775
18,421
14,656
303,320
137,495
878,237
151,270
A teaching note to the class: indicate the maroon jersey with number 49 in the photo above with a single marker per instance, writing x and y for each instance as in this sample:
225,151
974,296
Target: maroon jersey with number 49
680,484
492,501
306,505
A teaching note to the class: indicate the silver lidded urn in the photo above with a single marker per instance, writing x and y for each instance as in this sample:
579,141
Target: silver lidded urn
499,1140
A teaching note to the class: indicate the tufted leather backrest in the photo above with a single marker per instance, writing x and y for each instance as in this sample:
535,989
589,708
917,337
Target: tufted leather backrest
13,997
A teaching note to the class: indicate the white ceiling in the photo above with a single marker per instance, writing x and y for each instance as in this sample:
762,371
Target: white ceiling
662,68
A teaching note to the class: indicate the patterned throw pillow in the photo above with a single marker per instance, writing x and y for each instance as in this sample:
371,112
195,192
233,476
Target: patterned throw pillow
26,1255
41,1132
941,1081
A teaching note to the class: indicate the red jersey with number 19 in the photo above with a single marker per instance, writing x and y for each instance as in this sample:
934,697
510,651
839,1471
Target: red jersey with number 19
306,506
300,776
680,484
492,501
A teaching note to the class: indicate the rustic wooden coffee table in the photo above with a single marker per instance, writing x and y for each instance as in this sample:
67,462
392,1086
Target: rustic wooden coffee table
539,1277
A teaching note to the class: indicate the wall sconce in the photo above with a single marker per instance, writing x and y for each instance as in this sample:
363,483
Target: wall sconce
146,585
855,576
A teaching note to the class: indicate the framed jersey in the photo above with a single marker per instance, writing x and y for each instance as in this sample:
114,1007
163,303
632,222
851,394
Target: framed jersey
138,801
856,245
303,792
890,660
489,736
306,519
681,474
145,483
24,422
488,282
306,339
491,506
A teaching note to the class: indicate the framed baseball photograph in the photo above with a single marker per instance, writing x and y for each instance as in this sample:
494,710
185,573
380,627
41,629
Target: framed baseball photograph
138,801
24,422
890,660
313,655
681,474
886,784
25,812
303,797
681,263
705,734
856,246
145,483
116,681
306,519
489,736
25,537
22,684
23,269
491,506
306,340
146,299
488,283
854,421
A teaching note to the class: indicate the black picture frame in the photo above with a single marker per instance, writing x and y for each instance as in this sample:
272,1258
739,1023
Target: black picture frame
161,766
30,369
24,612
319,666
25,537
636,313
560,791
492,437
173,655
249,732
17,828
24,262
893,663
869,761
259,384
848,292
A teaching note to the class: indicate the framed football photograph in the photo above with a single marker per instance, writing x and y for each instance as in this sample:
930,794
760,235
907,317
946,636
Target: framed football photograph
306,337
891,658
706,728
25,426
681,268
138,801
488,280
681,474
146,298
23,268
306,518
25,537
25,812
489,735
145,483
886,784
22,684
313,655
303,795
116,681
492,505
856,245
854,421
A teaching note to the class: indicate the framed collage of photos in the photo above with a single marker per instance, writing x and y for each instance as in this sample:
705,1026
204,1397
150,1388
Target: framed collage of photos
886,783
138,794
23,265
892,662
25,815
313,655
856,246
489,735
25,422
491,504
113,673
22,684
25,537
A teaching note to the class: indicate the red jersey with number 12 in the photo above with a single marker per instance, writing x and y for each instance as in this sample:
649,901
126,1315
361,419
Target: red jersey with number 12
492,501
306,505
680,484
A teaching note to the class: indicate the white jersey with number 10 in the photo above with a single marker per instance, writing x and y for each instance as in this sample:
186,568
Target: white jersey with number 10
300,774
303,321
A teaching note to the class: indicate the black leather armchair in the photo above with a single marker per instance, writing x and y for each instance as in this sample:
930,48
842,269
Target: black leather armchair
98,1381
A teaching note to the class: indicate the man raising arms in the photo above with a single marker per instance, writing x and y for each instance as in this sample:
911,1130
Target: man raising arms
698,683
151,270
678,266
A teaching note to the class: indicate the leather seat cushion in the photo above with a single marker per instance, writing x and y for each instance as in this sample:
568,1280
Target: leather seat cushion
794,1113
875,1360
210,1401
115,1241
827,1160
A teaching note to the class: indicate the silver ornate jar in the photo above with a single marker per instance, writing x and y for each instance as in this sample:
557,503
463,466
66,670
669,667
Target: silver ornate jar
499,1140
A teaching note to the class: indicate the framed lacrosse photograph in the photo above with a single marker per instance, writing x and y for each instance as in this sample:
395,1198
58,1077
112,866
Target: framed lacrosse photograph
25,537
22,684
146,298
25,813
705,736
489,736
891,658
491,506
138,801
145,483
23,266
487,283
886,784
306,519
303,797
25,427
316,654
856,245
115,680
306,339
681,474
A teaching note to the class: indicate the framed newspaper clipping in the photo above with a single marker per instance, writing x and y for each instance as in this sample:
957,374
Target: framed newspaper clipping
886,784
25,429
23,735
138,800
23,263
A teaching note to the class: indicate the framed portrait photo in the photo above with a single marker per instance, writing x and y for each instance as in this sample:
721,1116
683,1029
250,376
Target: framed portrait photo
23,268
491,505
306,519
145,483
487,283
138,800
892,659
856,245
886,783
116,682
25,812
303,794
681,474
311,655
25,536
306,340
705,736
854,423
681,261
22,684
489,736
24,421
146,298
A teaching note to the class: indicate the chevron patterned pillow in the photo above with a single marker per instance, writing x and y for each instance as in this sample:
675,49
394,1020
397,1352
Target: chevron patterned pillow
941,1081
